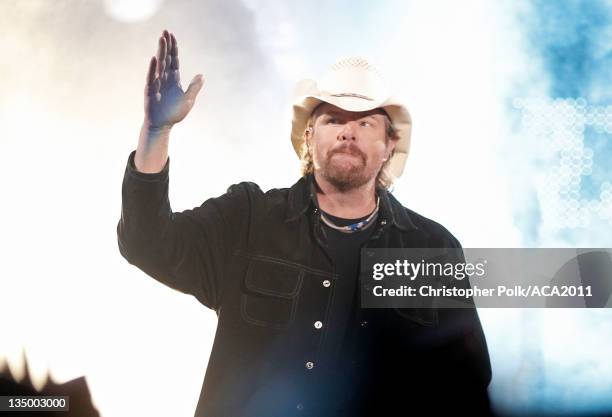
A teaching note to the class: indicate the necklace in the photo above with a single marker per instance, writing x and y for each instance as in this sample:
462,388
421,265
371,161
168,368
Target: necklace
355,227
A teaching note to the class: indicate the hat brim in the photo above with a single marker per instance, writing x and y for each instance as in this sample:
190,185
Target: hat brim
308,97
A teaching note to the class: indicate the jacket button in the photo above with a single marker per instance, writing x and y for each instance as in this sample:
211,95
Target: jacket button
318,324
309,365
383,222
364,323
300,406
326,283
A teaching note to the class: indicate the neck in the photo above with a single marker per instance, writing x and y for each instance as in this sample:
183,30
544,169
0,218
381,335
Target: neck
350,204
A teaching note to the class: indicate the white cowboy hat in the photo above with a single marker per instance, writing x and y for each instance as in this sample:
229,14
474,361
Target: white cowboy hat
352,84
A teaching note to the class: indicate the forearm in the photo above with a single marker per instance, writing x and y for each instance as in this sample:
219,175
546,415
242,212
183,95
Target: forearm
152,151
145,210
154,239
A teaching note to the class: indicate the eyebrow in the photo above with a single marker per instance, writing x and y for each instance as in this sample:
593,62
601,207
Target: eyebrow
337,113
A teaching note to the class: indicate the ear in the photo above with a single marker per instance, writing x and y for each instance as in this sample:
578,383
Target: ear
391,143
308,135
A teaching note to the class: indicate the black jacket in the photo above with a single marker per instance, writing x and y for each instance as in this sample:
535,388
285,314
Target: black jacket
258,259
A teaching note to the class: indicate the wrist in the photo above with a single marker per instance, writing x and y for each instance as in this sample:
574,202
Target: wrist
154,134
150,127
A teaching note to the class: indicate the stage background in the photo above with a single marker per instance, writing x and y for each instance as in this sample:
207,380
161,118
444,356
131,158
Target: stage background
511,103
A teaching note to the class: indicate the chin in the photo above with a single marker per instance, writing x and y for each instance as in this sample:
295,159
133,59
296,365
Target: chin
346,179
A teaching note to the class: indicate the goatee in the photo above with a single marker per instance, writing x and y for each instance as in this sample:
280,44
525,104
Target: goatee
344,179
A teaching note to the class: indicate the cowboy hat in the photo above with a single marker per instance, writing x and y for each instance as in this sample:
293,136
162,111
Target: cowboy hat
353,84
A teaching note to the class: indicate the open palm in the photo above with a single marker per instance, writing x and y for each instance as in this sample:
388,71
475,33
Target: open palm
165,101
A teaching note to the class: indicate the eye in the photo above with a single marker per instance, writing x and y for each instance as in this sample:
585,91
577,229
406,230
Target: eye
365,123
332,120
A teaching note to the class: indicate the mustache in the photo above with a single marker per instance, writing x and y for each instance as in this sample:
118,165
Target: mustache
348,148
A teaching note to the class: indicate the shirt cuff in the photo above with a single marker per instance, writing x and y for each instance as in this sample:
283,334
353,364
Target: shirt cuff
152,177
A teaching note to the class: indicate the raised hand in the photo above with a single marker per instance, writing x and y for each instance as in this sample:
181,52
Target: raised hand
165,102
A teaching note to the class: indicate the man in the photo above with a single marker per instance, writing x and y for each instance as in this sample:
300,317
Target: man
281,268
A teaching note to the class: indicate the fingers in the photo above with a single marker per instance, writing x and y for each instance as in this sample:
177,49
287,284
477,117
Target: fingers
194,88
174,61
168,60
152,90
153,83
167,65
151,72
161,55
174,52
166,36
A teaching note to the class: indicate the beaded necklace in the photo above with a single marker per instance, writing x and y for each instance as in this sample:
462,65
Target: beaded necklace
355,227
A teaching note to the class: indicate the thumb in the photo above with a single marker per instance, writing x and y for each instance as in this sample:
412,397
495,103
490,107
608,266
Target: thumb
194,87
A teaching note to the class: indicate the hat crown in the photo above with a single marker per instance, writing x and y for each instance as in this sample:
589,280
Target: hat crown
354,62
354,75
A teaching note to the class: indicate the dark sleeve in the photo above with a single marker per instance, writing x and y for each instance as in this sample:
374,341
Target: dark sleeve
189,250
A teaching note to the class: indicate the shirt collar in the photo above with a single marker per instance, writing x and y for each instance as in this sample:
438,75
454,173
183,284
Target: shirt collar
303,196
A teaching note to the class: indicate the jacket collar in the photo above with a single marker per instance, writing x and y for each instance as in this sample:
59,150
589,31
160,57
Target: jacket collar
303,196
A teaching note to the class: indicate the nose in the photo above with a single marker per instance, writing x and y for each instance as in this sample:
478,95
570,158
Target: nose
347,132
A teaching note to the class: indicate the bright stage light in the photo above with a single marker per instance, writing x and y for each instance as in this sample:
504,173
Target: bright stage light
132,11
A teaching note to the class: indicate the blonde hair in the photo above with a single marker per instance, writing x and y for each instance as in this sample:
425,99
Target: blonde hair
384,179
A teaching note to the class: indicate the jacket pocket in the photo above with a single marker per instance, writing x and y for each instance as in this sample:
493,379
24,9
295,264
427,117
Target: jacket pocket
270,293
426,316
